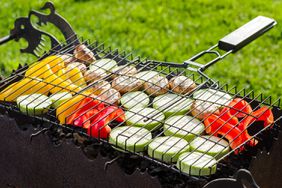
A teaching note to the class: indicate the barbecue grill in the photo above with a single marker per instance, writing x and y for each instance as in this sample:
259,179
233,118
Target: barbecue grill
109,162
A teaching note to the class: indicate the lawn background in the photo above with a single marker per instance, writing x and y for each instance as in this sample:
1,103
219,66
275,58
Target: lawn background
167,30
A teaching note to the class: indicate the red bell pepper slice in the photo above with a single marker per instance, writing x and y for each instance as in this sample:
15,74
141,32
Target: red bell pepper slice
100,129
240,108
226,115
84,106
215,125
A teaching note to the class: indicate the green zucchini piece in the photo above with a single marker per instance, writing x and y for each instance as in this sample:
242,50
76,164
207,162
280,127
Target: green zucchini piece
146,75
172,104
59,98
105,64
148,118
210,145
213,96
34,104
135,99
167,148
186,127
134,139
196,164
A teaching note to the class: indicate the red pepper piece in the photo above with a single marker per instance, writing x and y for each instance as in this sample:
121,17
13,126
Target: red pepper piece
215,125
119,115
243,125
100,129
85,105
226,115
240,108
264,114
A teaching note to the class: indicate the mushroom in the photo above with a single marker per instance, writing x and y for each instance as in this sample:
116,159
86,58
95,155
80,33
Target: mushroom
158,85
100,85
200,109
181,84
78,65
67,58
111,96
96,74
84,54
126,84
123,70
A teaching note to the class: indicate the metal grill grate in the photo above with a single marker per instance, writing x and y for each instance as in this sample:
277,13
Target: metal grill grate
50,84
168,70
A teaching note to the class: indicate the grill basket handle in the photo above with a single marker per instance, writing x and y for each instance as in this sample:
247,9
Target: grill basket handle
246,33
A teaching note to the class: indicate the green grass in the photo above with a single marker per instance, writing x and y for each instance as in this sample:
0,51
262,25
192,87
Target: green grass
168,30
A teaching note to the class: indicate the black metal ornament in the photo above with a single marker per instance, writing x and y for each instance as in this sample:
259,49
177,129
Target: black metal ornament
23,28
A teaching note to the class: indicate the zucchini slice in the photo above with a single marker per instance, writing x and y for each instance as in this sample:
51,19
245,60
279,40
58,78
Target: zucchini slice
145,76
213,96
148,118
209,101
172,104
196,164
105,64
132,139
167,148
135,99
186,127
34,104
58,98
210,145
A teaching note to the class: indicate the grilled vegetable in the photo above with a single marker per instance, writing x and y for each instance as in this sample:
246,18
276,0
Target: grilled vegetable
135,99
208,101
76,76
66,108
134,139
100,122
110,96
38,70
104,64
145,76
123,70
185,127
210,145
181,84
78,65
172,104
148,118
93,75
100,86
84,54
215,125
58,98
156,86
67,58
34,104
126,84
167,148
24,87
196,164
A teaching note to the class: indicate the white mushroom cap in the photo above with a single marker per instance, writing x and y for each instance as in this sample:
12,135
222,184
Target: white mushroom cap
93,75
111,96
100,85
84,54
126,83
78,65
181,84
158,85
123,70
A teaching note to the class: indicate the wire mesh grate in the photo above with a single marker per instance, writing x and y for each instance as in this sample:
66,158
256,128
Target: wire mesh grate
166,71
